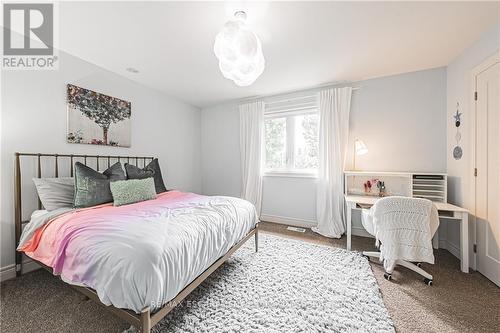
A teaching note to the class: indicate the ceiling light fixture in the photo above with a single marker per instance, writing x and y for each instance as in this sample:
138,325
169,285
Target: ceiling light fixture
239,51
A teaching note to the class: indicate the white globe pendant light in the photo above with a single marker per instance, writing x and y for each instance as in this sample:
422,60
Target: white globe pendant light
239,51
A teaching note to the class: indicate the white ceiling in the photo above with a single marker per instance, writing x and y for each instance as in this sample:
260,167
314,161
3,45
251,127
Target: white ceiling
305,44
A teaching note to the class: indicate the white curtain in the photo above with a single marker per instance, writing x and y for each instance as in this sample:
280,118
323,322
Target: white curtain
251,140
334,108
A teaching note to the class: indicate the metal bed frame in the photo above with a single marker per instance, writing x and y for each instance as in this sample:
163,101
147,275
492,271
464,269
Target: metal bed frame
146,319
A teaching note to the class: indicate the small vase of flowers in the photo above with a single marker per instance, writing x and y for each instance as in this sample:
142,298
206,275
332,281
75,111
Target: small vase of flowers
381,189
369,184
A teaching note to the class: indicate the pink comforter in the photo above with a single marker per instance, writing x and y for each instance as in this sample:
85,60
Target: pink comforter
141,254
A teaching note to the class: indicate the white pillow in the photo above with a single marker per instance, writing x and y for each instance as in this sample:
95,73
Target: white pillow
55,192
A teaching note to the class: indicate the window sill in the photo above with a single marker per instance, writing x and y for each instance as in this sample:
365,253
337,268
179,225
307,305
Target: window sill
290,174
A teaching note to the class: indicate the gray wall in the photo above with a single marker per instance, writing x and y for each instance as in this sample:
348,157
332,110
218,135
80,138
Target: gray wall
220,150
460,89
401,118
34,120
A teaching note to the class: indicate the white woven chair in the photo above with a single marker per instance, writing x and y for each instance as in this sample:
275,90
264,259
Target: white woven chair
403,228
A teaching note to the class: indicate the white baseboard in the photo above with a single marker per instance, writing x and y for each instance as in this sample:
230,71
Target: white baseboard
306,223
360,232
9,272
443,243
288,221
450,247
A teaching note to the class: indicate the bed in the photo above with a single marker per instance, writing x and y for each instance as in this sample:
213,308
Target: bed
138,260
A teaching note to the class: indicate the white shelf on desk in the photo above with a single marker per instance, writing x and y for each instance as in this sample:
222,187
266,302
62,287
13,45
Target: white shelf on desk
430,191
424,181
432,186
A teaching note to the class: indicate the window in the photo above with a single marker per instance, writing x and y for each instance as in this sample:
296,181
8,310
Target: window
291,136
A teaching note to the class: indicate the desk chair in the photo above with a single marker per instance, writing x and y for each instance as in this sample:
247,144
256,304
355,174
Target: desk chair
403,228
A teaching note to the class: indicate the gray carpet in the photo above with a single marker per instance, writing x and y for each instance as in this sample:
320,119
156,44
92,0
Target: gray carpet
288,286
457,302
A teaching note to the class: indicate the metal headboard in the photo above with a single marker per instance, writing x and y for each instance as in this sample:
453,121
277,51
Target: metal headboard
18,219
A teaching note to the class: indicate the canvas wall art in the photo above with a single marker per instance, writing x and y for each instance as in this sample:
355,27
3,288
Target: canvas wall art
98,119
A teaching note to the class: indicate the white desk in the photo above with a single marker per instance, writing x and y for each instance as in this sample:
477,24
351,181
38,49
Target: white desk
457,213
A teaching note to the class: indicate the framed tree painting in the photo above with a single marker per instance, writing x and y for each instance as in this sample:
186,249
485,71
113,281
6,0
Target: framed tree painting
98,119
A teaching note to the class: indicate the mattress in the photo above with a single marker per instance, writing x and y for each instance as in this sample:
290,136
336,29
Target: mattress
141,254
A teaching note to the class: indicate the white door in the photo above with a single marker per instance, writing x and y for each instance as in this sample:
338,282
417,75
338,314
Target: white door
488,171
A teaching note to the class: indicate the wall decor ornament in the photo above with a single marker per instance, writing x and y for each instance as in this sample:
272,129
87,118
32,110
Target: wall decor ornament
98,119
457,150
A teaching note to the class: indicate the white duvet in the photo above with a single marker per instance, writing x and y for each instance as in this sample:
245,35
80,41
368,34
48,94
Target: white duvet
142,254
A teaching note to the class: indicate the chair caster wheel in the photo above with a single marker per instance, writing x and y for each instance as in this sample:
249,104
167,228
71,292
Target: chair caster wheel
418,264
428,281
388,276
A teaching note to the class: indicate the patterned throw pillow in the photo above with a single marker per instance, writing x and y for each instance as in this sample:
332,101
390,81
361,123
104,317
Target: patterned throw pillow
150,170
133,190
92,187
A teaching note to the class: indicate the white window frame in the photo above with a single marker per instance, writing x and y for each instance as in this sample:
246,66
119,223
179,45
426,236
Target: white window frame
287,109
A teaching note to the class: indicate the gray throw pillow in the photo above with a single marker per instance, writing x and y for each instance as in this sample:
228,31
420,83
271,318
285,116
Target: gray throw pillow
133,190
92,187
150,170
55,193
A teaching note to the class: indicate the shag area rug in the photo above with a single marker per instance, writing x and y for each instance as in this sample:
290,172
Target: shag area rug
288,286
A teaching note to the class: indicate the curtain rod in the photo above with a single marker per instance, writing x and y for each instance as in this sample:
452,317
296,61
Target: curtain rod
292,99
293,91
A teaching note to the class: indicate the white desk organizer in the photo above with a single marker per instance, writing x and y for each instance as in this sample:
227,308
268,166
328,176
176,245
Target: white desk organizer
432,186
411,184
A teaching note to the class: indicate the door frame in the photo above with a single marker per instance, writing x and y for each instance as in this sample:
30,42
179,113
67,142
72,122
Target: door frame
485,64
